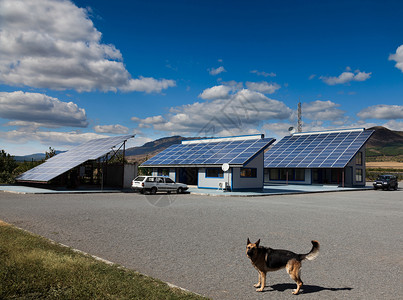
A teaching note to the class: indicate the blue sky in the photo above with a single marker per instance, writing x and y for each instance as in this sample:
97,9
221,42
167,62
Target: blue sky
71,71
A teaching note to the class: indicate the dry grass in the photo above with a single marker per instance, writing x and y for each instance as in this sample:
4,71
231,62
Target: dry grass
385,165
32,267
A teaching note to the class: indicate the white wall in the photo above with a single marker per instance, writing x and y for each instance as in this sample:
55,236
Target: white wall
239,182
212,182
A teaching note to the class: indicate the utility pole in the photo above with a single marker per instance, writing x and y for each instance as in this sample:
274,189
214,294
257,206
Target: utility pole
299,118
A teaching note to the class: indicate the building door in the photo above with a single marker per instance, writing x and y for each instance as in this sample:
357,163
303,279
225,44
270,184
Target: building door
187,175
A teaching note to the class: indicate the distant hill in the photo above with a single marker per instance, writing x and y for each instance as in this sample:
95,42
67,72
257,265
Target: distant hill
34,157
385,144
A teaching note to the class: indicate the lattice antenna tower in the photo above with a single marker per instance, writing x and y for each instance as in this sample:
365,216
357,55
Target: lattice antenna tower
299,117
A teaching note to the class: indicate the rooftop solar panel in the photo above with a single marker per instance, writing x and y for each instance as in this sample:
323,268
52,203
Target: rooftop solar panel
333,149
63,162
213,152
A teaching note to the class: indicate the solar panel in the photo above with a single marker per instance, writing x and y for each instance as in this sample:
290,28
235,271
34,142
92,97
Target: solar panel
233,152
332,149
63,162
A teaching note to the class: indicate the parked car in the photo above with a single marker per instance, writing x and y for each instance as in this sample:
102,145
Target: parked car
154,184
386,182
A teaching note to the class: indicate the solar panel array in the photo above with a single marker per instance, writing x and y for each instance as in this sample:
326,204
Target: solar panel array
317,150
63,162
235,152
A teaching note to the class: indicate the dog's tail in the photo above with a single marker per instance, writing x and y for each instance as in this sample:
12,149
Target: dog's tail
313,253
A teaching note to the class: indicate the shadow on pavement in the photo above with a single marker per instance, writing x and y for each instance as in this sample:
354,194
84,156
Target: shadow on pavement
306,289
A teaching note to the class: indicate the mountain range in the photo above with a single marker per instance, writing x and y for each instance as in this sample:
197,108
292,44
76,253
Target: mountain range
383,142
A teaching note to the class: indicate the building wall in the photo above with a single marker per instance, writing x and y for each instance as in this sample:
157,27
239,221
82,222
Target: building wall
233,176
212,182
257,182
356,171
352,173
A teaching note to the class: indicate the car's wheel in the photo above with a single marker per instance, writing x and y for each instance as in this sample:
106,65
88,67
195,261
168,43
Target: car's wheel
180,190
153,191
395,187
375,188
141,191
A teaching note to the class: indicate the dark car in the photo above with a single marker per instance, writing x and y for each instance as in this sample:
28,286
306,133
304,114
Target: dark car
386,182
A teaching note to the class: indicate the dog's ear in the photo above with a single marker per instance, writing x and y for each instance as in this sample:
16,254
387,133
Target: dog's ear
257,243
248,242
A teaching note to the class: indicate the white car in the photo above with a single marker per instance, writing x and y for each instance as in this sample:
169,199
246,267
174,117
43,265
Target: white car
154,184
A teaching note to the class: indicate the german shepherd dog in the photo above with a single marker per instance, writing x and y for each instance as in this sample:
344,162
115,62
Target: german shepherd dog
268,260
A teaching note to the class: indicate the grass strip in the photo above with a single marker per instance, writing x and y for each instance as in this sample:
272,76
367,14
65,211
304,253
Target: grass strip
31,267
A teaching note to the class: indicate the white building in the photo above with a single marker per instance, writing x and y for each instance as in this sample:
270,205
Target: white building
235,163
327,157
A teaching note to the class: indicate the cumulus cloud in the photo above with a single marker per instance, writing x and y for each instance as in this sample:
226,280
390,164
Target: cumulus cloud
239,113
115,129
215,92
52,138
263,87
346,77
54,44
323,110
216,71
36,109
398,58
382,111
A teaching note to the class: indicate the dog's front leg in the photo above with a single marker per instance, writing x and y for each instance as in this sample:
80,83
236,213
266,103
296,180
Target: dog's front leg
258,283
262,281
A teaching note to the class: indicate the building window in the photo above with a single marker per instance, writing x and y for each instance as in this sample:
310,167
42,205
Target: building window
287,174
163,172
300,174
274,174
358,159
358,175
248,172
214,172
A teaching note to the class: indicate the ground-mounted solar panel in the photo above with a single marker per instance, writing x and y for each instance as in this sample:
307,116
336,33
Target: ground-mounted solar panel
63,162
330,149
210,152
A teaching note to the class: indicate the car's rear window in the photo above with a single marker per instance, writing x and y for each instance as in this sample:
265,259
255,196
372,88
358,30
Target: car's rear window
139,178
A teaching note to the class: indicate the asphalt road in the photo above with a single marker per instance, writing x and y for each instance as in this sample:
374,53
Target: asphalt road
198,242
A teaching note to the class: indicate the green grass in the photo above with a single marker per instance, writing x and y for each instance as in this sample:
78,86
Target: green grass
31,267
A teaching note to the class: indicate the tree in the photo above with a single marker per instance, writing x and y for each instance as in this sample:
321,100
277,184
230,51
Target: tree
52,152
7,167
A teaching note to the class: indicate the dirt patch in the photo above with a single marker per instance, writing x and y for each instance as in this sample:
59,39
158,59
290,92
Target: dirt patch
3,223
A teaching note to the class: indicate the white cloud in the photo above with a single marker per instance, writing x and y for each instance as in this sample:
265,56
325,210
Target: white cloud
215,92
216,71
323,110
382,111
34,109
53,44
262,73
398,58
49,138
394,125
115,129
263,87
346,77
242,112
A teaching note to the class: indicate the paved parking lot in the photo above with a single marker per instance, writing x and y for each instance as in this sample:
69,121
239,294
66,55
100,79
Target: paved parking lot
198,242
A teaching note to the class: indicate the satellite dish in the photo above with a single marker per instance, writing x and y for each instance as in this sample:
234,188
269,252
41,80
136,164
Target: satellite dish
291,130
225,167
